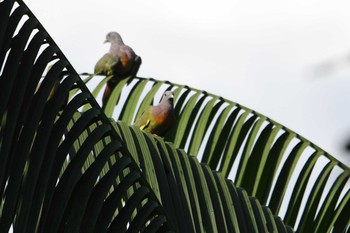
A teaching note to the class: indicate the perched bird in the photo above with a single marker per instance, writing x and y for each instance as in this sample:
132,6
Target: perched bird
121,61
158,119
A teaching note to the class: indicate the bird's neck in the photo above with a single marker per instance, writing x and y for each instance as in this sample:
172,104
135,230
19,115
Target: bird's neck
166,106
115,45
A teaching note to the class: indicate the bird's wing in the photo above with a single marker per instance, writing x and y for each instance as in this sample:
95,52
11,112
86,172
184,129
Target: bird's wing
145,126
106,64
145,119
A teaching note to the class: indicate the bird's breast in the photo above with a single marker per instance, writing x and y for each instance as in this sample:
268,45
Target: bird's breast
164,118
125,60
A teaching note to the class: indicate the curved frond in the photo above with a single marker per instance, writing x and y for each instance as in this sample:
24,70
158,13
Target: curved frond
65,167
195,197
54,176
270,161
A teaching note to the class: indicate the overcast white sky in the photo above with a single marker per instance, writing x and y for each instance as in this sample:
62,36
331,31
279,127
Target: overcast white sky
261,54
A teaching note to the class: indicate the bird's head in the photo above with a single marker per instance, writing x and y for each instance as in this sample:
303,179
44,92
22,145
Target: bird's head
168,96
113,37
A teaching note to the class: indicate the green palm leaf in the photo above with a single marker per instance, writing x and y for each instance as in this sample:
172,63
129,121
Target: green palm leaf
270,161
66,167
190,190
54,176
51,166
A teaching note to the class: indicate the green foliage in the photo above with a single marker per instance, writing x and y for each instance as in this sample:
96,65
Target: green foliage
299,181
53,175
66,167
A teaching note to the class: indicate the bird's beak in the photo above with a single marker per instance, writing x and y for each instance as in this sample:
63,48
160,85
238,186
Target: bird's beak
106,41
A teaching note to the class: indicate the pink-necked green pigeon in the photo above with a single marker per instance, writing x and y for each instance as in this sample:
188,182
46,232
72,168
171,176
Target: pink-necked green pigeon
121,61
158,119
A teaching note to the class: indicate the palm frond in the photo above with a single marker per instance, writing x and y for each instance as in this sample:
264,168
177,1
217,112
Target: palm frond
53,175
280,168
196,198
65,168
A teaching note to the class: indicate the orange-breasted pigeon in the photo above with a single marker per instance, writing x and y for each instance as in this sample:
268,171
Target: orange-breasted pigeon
121,61
158,119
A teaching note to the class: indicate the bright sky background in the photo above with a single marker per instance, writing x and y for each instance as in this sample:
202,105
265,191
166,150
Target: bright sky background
261,54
